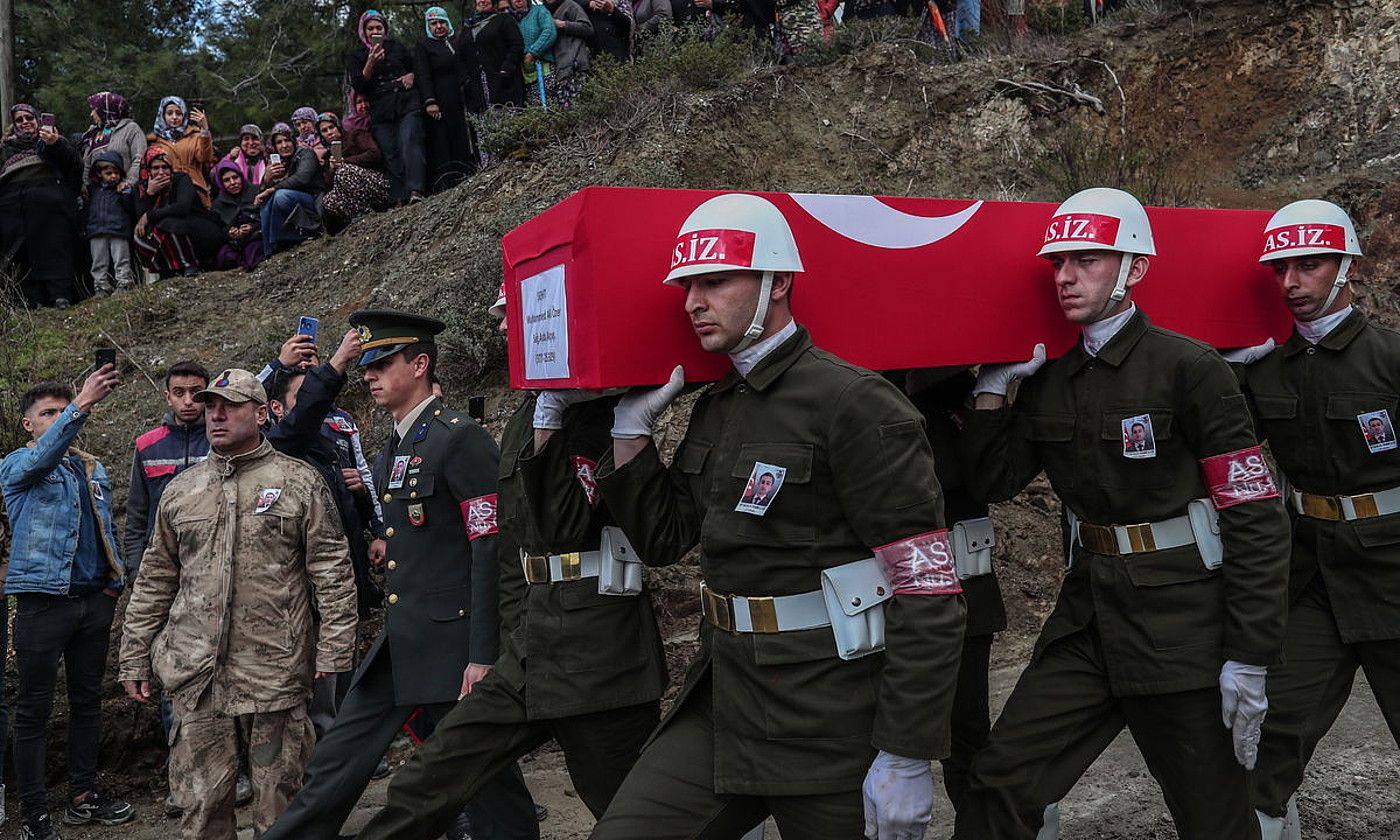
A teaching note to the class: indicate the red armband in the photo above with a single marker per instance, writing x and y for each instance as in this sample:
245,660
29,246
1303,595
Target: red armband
479,515
1238,477
921,565
585,469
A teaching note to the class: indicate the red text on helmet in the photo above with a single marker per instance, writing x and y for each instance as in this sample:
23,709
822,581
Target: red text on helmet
1305,236
1082,227
713,247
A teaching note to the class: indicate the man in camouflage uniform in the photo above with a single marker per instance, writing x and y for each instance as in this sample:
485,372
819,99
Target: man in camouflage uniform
222,612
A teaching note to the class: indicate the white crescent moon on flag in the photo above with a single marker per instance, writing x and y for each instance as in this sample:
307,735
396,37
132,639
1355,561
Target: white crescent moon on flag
870,221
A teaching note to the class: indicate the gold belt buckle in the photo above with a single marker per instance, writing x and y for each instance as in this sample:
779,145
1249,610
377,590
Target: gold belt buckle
763,615
1098,539
718,609
570,566
1140,538
1323,507
1365,505
536,567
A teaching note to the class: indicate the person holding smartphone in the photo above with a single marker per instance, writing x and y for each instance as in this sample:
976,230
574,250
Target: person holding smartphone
65,577
184,135
381,69
39,180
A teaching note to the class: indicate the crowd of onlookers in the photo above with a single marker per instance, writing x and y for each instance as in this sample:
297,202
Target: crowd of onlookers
166,202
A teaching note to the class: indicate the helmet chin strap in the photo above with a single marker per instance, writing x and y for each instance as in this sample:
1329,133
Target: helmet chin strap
1337,285
760,314
1120,289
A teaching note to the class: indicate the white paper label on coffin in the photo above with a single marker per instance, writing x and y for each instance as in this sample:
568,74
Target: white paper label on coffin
545,311
870,221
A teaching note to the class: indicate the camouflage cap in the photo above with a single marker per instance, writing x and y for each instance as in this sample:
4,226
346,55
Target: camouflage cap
235,385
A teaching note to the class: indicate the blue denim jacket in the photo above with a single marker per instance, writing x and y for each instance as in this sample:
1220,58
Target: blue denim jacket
43,502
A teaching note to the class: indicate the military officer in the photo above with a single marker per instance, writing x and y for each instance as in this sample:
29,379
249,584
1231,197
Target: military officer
437,476
584,665
797,705
939,395
1173,606
1326,401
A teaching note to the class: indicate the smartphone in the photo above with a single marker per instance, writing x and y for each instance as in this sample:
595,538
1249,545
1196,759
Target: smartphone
476,408
377,39
105,356
336,149
273,157
308,326
47,120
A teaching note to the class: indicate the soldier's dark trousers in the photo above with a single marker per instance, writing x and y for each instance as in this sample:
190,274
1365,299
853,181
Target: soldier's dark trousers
1061,716
344,760
483,735
1308,691
670,794
971,721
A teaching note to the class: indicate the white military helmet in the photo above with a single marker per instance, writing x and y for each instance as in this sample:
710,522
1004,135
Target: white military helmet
1309,227
498,309
1102,219
1099,219
736,231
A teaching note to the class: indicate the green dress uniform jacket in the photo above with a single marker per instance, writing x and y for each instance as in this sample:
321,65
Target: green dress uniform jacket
790,717
587,652
440,572
1310,401
1166,621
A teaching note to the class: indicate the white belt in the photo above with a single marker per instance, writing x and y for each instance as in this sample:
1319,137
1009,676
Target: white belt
1133,539
556,568
764,614
1359,506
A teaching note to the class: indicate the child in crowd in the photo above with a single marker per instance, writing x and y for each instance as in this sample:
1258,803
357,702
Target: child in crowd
110,219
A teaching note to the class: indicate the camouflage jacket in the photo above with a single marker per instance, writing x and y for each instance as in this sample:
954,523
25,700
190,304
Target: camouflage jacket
223,599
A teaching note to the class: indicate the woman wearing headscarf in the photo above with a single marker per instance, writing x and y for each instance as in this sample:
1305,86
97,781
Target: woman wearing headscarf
304,124
248,155
113,130
382,70
174,233
184,135
287,201
539,31
39,171
499,49
239,218
448,76
357,185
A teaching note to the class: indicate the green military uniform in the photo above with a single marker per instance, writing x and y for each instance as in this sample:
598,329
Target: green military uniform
775,722
438,481
1313,403
941,404
1136,637
583,668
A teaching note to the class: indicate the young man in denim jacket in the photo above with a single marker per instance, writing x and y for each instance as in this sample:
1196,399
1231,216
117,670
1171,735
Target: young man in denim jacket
65,573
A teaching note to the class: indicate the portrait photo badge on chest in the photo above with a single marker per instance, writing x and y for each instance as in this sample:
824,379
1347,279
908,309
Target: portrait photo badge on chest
1138,440
1378,430
399,470
267,498
765,480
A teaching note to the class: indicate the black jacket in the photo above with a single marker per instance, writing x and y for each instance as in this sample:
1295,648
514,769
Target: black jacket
182,213
499,49
388,101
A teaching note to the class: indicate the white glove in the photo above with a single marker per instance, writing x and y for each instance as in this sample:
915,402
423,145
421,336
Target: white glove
996,379
550,405
898,797
1249,355
1242,707
636,413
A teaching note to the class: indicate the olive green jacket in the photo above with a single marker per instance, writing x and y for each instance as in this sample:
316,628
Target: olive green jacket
1309,401
1167,622
790,717
573,650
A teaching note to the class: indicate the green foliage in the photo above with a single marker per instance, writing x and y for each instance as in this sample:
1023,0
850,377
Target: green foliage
1056,18
673,63
1080,157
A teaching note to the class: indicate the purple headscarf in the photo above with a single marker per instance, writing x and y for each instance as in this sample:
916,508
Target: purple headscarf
369,15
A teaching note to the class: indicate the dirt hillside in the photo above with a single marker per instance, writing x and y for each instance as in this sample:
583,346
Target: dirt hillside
1245,104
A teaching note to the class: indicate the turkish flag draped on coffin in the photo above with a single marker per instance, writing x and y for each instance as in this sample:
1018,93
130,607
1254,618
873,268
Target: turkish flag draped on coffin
889,283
